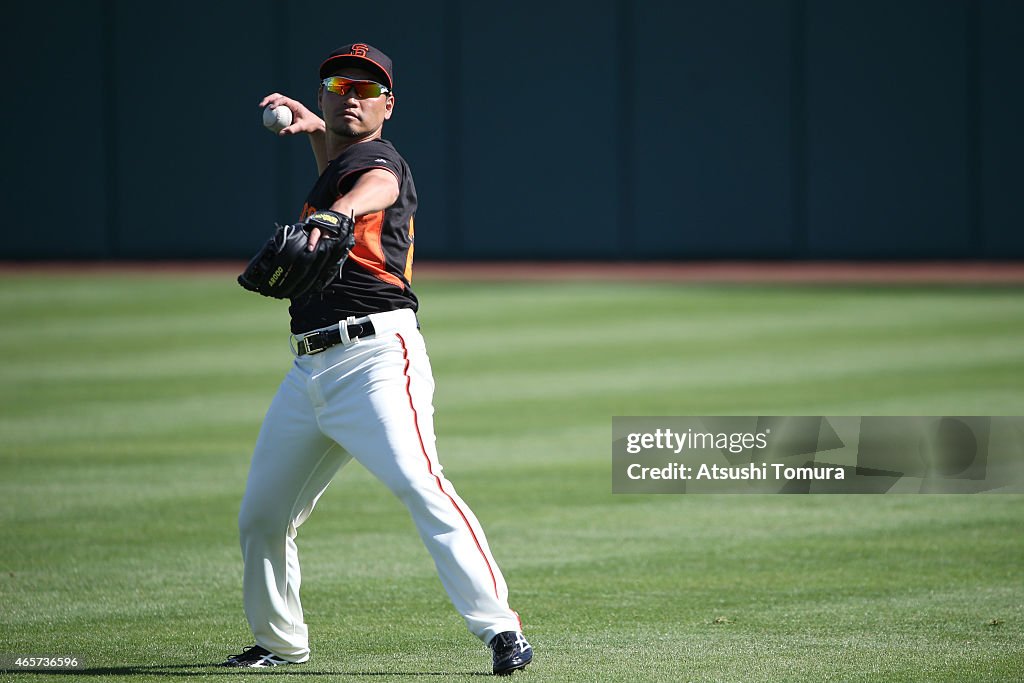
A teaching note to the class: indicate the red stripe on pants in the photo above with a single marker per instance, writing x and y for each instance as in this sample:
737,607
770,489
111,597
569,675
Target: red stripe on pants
430,467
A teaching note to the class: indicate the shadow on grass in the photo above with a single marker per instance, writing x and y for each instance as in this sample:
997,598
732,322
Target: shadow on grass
185,670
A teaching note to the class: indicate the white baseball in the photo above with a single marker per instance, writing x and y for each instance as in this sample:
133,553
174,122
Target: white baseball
277,118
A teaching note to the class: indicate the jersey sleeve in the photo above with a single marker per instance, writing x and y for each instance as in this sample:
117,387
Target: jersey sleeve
367,156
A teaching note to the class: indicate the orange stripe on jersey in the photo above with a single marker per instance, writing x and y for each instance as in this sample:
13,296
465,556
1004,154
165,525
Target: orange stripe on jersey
369,251
408,259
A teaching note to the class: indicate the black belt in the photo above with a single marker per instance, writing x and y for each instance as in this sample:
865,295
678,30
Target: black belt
321,340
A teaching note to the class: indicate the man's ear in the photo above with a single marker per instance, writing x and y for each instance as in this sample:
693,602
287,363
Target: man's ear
389,105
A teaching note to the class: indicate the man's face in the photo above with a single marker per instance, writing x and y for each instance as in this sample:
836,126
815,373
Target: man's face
350,117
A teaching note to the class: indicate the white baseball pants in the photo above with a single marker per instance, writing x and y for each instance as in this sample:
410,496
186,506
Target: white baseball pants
369,399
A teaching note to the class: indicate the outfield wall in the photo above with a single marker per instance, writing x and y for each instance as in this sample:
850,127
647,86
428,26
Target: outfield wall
542,130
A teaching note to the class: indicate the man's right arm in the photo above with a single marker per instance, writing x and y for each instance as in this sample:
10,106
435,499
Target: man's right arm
303,121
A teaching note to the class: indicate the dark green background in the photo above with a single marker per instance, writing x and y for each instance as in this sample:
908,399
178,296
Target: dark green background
554,129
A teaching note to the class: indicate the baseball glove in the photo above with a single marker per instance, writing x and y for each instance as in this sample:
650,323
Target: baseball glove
285,269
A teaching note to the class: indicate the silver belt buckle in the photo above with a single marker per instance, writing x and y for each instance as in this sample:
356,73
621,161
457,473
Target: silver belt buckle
306,348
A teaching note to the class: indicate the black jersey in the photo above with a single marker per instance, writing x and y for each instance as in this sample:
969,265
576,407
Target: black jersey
377,274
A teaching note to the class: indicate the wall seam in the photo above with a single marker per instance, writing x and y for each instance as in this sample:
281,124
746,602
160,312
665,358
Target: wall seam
973,69
624,127
109,130
798,151
455,74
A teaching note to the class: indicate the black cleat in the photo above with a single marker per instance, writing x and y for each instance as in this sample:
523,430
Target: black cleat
254,657
511,652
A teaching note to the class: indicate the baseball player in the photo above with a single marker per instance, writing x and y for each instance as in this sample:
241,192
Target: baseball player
361,385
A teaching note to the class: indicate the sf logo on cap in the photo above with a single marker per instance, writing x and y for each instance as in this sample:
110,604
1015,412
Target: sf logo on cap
359,49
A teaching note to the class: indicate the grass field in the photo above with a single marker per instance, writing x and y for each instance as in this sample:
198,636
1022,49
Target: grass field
130,405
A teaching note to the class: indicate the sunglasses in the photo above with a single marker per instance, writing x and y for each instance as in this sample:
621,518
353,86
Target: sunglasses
364,89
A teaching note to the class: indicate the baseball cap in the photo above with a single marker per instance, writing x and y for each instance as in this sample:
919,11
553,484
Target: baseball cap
359,54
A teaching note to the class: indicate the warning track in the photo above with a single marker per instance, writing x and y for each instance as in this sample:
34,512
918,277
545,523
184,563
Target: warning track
794,272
